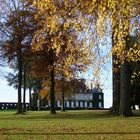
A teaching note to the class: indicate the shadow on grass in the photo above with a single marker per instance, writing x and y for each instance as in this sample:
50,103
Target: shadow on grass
75,115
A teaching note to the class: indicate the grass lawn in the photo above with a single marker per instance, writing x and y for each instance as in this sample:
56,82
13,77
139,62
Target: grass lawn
69,125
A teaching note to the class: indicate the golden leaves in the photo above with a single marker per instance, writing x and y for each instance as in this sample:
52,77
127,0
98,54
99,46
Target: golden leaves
66,25
62,15
133,55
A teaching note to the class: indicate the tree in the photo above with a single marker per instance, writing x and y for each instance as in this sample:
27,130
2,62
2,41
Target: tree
116,73
17,26
59,39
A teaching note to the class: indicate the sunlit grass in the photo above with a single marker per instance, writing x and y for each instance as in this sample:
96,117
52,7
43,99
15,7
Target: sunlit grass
77,125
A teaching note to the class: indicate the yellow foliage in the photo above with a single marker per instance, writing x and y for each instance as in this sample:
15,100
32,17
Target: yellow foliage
44,93
63,15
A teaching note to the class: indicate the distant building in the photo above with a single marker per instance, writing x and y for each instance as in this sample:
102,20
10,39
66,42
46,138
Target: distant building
88,99
11,105
83,98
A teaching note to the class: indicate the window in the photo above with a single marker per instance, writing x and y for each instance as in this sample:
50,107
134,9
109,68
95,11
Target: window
85,104
68,104
77,104
99,90
90,104
100,97
100,104
81,104
72,104
91,97
58,103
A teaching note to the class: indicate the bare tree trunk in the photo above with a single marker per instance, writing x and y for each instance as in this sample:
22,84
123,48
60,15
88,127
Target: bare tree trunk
62,88
116,86
116,76
125,100
24,90
63,105
52,92
19,85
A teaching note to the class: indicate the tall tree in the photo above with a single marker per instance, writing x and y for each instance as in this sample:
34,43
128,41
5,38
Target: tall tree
115,71
17,26
24,88
125,99
58,37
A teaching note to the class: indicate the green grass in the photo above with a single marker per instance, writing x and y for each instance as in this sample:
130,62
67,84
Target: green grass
69,125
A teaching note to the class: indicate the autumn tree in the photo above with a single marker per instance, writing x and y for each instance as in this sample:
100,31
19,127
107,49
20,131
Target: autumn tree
60,40
122,15
122,51
17,26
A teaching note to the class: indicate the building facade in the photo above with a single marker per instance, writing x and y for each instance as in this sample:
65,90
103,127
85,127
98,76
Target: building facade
11,105
93,99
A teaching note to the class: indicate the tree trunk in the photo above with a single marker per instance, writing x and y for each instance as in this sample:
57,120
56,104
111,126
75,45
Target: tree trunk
52,92
19,85
24,90
30,98
116,86
63,105
115,73
125,100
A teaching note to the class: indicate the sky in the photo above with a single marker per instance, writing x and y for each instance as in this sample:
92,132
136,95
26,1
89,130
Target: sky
7,93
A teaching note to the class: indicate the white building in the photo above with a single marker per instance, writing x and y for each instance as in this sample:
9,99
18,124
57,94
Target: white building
90,99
